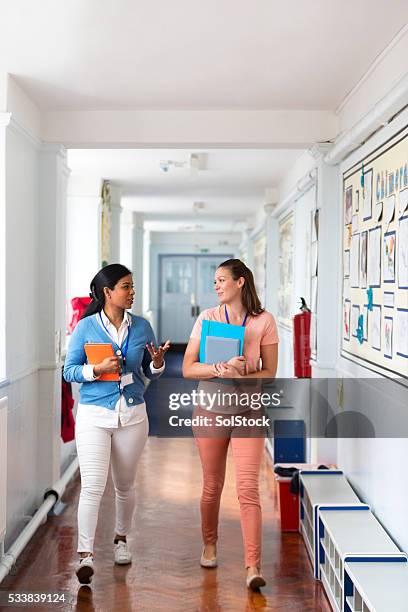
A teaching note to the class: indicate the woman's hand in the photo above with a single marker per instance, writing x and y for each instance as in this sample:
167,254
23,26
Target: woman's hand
157,354
223,369
110,365
239,363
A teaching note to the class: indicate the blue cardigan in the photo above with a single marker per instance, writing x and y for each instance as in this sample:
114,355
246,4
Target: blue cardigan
106,393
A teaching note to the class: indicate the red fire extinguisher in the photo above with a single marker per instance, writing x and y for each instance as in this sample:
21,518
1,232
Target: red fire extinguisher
301,342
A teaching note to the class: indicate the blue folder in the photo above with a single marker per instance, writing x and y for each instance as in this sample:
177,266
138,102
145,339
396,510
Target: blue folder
221,330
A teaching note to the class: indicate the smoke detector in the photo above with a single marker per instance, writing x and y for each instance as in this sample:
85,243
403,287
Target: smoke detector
198,207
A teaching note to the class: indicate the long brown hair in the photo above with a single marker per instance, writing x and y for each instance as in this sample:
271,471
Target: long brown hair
249,297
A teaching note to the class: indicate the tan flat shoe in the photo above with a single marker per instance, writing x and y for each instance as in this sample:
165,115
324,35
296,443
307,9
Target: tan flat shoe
204,562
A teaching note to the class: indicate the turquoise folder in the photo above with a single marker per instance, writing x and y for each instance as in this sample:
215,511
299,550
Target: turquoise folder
221,330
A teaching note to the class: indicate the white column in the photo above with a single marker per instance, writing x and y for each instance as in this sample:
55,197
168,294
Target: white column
329,241
137,262
4,121
126,238
115,234
53,175
325,450
146,273
83,233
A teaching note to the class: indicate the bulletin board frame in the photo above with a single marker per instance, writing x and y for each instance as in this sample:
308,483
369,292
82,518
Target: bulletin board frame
374,260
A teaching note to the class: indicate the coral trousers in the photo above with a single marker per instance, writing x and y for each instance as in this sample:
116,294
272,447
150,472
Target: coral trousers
247,454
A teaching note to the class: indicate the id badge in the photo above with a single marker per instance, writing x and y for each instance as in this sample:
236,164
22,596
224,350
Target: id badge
126,379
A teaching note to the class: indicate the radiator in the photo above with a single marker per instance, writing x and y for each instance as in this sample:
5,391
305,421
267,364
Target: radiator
3,466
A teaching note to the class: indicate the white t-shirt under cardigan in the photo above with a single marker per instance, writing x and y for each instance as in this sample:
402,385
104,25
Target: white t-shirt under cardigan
123,415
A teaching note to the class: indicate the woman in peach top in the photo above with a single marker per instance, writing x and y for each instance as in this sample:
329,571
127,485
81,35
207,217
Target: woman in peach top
239,305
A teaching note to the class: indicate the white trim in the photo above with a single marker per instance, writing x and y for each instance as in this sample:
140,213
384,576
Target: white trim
378,116
40,367
378,140
17,128
303,185
5,119
376,62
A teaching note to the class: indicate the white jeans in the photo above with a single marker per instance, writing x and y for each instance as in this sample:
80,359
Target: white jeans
96,446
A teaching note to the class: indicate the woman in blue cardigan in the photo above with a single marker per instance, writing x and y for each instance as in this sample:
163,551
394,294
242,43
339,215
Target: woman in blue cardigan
111,422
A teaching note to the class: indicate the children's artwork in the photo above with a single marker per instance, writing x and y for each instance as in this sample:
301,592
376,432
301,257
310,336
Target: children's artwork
368,195
378,186
346,264
378,211
370,298
355,261
374,257
365,323
346,319
363,260
315,225
391,183
355,314
403,201
401,332
348,208
314,253
313,300
389,209
375,327
403,254
388,299
389,257
346,288
360,329
388,325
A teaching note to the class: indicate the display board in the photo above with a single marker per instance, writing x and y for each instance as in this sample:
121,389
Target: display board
375,259
285,271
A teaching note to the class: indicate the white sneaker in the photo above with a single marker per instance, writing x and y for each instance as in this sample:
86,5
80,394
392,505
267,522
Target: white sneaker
85,570
122,553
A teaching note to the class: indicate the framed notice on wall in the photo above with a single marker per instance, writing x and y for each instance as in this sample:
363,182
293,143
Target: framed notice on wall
375,259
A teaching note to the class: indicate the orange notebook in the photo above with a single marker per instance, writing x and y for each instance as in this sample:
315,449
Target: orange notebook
96,353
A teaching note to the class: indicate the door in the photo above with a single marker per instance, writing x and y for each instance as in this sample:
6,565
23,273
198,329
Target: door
177,287
186,289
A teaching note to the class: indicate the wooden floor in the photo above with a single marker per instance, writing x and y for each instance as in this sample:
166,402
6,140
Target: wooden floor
165,574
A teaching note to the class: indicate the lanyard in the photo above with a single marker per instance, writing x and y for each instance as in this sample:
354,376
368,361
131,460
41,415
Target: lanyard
122,352
226,316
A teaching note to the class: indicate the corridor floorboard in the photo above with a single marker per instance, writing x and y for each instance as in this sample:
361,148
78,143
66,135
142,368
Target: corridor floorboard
166,545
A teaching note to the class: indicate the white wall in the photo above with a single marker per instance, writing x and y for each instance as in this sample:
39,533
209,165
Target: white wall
301,209
185,129
387,70
83,233
22,328
32,179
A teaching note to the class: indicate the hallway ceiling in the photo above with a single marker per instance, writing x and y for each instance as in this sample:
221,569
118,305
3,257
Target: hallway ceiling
231,186
189,54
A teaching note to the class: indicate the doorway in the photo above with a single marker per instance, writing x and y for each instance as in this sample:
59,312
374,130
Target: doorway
185,289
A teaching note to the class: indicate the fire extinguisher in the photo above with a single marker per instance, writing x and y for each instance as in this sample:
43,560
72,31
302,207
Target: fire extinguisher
301,342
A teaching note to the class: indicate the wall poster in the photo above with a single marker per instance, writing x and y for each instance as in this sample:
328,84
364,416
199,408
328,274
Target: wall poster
375,259
285,271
